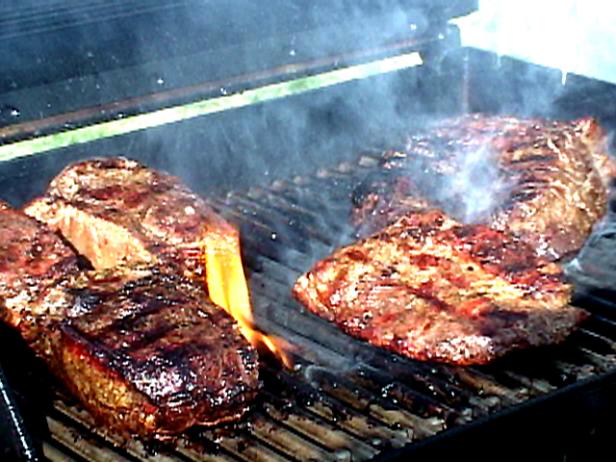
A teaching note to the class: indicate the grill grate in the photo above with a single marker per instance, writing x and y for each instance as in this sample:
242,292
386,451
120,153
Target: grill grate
346,400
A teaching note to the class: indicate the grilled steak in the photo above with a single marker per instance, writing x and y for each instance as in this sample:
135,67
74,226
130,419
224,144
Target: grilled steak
430,288
35,267
151,356
549,186
116,211
144,350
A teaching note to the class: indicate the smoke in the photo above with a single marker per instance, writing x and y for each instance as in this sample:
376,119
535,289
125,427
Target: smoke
476,188
299,134
97,58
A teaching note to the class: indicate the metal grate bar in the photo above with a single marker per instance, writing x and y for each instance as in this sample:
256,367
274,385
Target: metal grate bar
59,454
247,447
599,342
287,441
68,436
196,450
317,429
331,409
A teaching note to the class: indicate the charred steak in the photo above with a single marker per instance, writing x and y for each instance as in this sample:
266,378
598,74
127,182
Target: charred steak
430,288
35,268
116,211
548,187
151,356
143,349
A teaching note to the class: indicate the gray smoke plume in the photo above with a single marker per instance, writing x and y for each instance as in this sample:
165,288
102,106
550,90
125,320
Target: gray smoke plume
280,139
476,188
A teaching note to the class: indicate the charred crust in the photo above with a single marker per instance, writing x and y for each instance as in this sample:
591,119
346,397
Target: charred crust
545,163
489,298
157,339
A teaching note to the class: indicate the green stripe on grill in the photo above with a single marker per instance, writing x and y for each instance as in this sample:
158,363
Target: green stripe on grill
203,107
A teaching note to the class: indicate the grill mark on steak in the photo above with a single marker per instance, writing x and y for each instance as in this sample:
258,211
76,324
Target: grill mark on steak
148,338
431,288
141,348
432,299
558,173
159,340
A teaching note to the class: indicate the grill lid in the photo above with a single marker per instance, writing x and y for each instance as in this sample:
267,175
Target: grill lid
61,56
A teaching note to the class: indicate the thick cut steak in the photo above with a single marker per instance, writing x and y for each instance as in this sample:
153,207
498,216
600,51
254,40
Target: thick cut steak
144,349
35,268
430,288
147,354
549,186
115,211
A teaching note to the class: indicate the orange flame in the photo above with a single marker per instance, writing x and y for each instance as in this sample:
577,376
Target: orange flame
228,288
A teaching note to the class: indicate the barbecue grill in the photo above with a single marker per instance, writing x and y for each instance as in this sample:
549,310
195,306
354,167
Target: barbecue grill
282,165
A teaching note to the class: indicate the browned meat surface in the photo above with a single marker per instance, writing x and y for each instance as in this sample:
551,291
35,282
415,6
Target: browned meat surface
553,178
151,356
381,198
143,349
430,288
116,211
35,267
